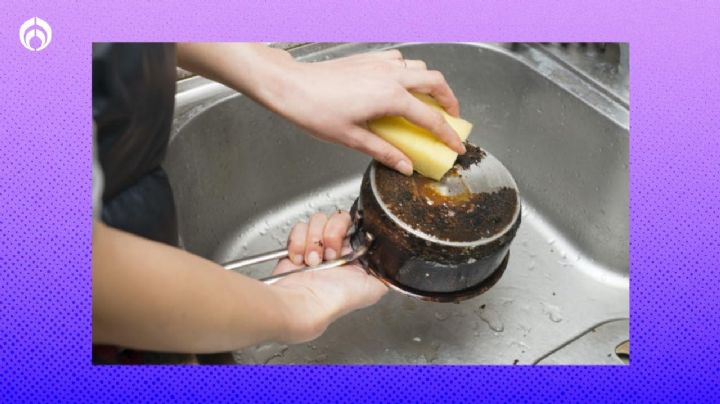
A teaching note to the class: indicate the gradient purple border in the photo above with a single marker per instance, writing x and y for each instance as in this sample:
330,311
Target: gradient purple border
45,211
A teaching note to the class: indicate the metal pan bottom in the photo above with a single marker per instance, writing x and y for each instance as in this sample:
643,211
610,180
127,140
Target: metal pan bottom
446,297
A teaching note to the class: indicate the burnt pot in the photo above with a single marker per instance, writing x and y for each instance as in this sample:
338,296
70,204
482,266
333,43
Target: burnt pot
441,241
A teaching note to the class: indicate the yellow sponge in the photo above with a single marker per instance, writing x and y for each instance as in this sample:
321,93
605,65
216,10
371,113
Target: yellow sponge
429,155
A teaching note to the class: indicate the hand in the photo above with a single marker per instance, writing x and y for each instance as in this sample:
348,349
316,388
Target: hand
321,237
315,299
335,99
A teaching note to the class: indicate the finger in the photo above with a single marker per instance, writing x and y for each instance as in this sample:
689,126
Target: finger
285,265
389,55
372,57
296,243
386,55
382,151
314,239
334,234
433,83
424,116
415,65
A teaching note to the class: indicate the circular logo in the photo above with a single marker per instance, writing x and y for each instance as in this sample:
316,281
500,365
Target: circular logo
35,34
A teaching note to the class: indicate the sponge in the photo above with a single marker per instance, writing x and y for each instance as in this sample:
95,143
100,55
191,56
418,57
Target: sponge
429,155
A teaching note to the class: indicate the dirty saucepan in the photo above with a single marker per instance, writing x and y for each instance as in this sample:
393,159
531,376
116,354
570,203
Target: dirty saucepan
442,241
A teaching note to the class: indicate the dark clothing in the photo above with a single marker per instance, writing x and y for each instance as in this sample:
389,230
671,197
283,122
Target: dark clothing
133,96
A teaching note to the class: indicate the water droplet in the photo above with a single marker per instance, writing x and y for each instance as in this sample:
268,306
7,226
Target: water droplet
417,339
441,316
491,318
553,312
519,344
268,352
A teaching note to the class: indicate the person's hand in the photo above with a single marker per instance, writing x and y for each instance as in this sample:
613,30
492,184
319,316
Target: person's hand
313,300
320,238
334,100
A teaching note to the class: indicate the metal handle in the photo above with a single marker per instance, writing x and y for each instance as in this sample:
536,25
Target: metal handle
280,254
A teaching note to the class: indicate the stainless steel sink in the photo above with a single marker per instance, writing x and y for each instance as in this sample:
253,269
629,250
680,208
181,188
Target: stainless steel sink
242,176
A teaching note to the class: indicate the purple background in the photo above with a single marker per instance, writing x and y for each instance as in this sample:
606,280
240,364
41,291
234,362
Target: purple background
45,208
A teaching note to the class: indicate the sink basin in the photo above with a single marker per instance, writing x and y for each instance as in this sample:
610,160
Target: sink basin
242,176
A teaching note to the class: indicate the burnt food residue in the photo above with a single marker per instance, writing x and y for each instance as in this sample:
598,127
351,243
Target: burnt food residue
462,216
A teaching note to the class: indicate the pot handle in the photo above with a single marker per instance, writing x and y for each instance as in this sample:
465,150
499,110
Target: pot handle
283,253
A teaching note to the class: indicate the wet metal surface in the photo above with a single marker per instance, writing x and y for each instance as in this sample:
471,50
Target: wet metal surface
242,176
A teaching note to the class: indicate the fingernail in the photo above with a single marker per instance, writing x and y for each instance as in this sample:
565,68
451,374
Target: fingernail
313,259
463,148
330,254
297,259
404,167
